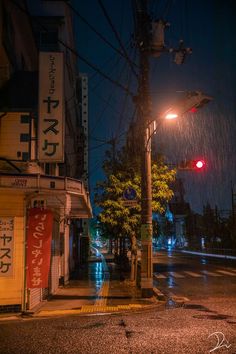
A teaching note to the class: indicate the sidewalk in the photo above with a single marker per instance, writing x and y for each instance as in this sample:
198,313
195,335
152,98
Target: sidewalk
99,287
96,289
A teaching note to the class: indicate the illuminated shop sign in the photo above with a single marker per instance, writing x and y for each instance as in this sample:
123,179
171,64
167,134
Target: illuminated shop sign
51,108
6,246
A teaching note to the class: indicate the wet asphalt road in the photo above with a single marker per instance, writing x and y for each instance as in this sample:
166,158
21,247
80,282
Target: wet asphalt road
196,325
194,277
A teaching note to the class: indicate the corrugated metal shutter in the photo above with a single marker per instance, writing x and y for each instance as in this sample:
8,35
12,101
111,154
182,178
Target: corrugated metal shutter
45,293
34,297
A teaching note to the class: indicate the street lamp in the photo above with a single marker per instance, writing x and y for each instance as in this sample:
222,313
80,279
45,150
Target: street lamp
171,116
192,100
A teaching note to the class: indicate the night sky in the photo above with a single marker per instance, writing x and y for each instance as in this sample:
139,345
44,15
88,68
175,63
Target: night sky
209,28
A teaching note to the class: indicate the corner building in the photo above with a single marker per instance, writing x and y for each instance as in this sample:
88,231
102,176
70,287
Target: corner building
39,139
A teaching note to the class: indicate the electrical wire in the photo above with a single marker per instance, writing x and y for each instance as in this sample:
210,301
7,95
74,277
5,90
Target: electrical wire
109,99
75,52
83,19
79,56
118,38
167,9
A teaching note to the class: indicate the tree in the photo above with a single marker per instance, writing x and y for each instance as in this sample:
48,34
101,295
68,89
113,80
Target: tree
122,171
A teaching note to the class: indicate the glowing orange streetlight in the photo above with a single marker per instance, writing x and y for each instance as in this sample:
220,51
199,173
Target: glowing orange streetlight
170,116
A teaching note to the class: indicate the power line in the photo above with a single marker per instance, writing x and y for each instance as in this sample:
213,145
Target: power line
117,37
75,52
167,8
98,146
108,99
82,18
124,105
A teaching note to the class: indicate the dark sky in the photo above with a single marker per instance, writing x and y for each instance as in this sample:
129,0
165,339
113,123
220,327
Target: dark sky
209,28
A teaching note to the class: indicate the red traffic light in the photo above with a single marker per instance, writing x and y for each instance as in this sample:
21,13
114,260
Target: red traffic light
199,164
192,165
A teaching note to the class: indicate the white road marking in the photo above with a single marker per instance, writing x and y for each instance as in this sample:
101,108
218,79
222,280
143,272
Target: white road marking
226,272
232,269
179,298
207,272
159,276
192,274
176,275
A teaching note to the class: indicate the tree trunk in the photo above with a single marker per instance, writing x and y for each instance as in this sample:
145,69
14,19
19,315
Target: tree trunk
134,259
110,245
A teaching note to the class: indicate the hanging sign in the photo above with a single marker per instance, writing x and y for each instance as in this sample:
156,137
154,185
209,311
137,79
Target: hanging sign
40,223
51,108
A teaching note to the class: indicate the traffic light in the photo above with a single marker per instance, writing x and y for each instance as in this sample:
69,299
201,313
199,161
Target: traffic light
199,164
192,165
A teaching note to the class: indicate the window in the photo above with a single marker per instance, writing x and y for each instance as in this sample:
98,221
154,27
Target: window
25,156
24,138
24,119
48,40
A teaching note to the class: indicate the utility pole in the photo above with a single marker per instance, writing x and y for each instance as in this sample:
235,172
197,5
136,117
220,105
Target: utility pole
149,38
144,119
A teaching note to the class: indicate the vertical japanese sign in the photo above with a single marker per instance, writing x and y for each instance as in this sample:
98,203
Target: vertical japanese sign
6,246
51,108
39,238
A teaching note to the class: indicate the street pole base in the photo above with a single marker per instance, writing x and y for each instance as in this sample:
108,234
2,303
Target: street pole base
147,292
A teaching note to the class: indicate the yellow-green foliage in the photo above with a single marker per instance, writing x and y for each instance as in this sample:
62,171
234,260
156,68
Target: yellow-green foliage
116,218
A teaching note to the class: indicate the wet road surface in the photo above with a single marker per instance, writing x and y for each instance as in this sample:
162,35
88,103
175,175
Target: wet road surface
203,322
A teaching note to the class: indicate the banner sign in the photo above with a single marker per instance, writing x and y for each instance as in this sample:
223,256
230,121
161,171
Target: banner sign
40,223
51,108
6,246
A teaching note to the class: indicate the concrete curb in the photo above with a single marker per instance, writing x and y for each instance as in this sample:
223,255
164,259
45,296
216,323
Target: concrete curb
84,310
207,254
159,295
96,310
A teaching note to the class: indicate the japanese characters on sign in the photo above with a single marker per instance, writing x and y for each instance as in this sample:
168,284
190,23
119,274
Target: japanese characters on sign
39,238
6,246
51,107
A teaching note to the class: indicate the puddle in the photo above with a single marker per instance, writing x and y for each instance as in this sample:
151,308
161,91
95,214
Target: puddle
122,323
212,317
171,304
197,307
128,334
93,325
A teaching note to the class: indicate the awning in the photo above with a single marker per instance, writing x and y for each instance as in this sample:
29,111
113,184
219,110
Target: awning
62,192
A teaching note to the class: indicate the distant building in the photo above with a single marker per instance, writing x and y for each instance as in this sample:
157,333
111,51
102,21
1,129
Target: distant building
39,139
180,209
82,90
83,163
